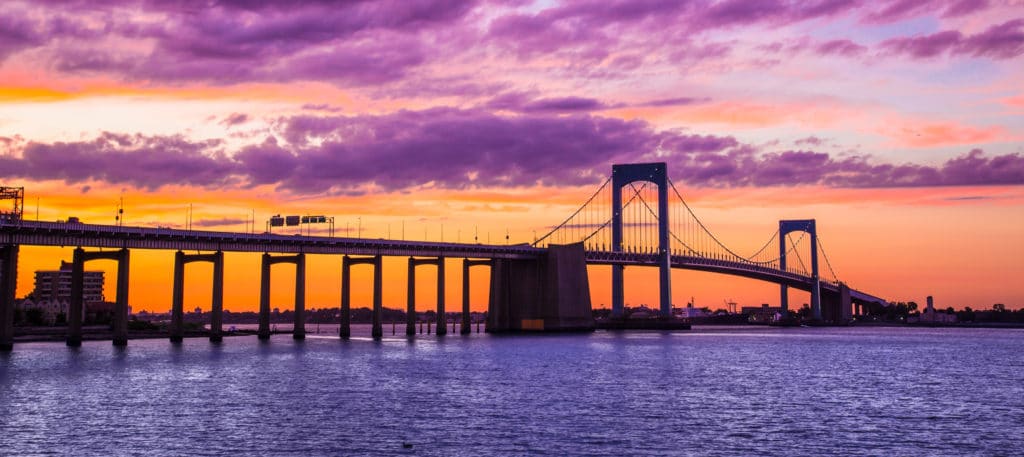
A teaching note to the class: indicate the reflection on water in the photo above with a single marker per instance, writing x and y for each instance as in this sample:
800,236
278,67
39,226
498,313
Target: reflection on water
749,391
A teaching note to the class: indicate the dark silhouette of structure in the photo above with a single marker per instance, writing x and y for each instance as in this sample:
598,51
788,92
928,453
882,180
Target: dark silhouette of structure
538,287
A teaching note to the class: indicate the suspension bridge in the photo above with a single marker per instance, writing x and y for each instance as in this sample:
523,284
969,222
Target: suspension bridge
636,218
619,226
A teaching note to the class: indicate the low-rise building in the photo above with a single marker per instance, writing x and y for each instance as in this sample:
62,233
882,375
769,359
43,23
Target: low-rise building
930,316
762,314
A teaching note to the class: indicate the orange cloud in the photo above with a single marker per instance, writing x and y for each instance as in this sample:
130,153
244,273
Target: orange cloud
932,134
742,113
1016,102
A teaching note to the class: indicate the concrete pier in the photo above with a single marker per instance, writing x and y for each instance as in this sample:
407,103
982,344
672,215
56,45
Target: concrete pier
299,331
177,331
120,324
837,308
177,299
345,318
410,309
8,286
442,320
378,307
217,303
410,303
263,332
344,329
77,306
548,294
466,265
299,328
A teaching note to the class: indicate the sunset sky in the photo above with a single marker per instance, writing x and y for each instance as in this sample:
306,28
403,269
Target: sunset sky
897,125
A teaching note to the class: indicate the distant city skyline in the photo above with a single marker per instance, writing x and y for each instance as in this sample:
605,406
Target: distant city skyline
897,125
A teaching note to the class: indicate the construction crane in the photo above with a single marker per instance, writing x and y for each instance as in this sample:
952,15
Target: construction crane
730,305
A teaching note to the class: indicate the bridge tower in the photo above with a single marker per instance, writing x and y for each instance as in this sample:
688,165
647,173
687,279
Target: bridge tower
624,175
807,226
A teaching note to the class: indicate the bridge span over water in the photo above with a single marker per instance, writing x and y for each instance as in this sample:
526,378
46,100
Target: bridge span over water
637,217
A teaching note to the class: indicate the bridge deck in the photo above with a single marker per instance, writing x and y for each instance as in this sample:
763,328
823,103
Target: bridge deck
106,236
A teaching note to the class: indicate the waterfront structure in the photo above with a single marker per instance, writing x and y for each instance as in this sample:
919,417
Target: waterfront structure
930,316
762,314
52,292
56,284
690,312
538,286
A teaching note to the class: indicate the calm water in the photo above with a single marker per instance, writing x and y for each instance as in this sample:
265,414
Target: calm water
751,391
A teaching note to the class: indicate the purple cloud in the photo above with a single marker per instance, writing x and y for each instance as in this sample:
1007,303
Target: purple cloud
147,162
393,46
563,105
810,141
320,107
924,46
965,7
586,31
676,101
234,119
17,33
844,48
349,43
739,168
897,10
525,102
1003,41
451,148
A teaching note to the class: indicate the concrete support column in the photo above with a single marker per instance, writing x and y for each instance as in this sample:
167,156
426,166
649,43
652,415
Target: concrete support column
178,298
8,286
664,252
442,319
618,290
845,304
217,302
264,329
816,287
299,330
410,303
816,299
74,317
783,289
121,300
378,307
465,329
344,329
618,281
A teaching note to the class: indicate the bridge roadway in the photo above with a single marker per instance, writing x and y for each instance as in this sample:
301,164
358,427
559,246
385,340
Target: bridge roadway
37,233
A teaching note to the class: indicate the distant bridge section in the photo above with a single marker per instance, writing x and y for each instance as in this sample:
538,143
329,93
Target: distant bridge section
108,236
